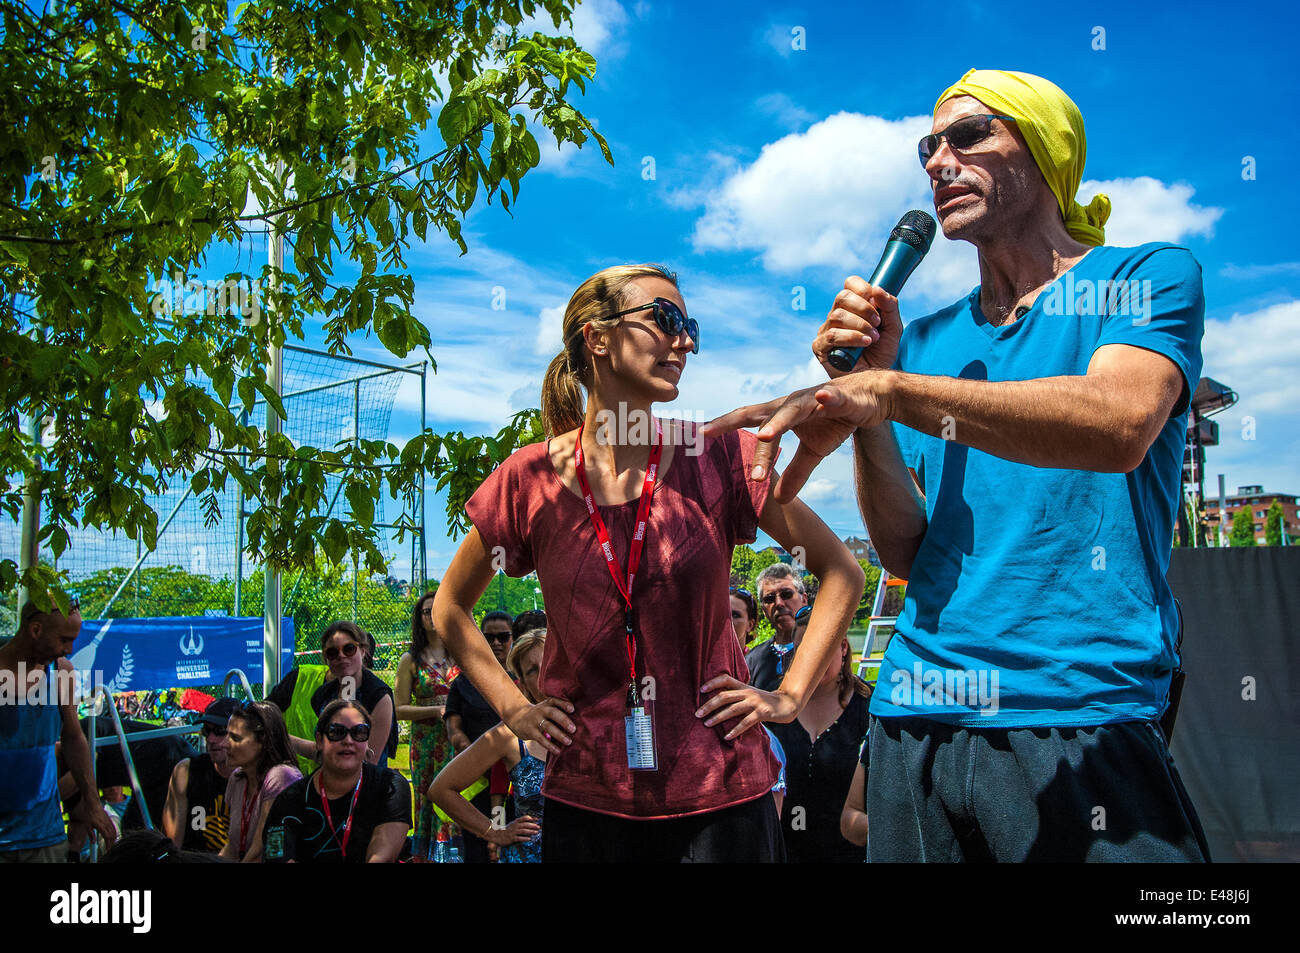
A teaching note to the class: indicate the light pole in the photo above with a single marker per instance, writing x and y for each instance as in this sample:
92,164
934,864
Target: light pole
536,592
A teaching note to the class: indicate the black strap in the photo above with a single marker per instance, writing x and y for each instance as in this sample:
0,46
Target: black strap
1175,683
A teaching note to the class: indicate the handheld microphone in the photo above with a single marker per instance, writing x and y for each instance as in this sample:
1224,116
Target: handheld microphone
908,243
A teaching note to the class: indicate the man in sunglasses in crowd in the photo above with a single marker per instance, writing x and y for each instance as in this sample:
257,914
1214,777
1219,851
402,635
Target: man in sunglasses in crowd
197,816
1018,459
468,716
781,594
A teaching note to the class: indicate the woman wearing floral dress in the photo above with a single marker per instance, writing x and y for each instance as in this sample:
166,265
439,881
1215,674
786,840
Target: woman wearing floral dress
424,677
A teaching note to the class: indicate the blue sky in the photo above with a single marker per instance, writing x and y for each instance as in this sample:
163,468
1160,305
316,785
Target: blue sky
761,152
777,168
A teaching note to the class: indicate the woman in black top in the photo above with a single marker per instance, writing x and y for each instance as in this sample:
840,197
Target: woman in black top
347,811
821,750
344,646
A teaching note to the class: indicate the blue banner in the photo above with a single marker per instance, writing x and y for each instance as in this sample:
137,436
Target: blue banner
174,652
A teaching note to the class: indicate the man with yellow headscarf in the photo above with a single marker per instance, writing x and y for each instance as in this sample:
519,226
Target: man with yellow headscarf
1018,459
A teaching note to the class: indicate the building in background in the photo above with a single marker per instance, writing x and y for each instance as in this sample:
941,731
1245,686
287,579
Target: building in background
862,549
1254,498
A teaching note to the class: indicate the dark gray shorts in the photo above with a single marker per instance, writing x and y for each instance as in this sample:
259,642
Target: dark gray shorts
936,792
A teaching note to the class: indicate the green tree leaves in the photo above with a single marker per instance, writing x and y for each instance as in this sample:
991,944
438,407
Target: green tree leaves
1243,528
139,136
1273,525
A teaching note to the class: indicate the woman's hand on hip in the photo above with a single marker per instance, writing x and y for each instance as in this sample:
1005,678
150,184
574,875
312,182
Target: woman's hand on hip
735,699
547,723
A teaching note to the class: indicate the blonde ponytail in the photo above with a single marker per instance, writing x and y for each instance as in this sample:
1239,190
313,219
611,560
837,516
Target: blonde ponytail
563,406
562,403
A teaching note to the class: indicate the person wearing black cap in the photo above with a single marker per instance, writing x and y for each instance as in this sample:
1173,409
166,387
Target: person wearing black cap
197,816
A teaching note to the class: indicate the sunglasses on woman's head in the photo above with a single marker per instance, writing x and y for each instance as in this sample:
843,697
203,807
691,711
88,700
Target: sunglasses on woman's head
336,731
349,649
670,319
961,135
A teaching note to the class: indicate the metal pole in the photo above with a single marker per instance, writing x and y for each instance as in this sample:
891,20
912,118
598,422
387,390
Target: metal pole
356,443
271,574
424,546
29,554
239,535
137,789
1223,512
94,767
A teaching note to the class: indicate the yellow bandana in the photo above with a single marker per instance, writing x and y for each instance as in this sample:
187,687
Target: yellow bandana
1053,129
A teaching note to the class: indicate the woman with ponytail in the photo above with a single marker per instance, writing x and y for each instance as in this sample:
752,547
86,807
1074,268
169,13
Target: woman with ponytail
656,751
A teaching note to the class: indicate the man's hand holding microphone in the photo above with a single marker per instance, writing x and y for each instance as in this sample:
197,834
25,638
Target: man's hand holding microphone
857,344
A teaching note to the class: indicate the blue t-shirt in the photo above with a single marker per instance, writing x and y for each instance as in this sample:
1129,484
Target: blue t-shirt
1038,596
31,815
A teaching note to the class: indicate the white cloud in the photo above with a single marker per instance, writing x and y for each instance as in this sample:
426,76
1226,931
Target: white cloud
1255,272
784,109
550,333
1144,209
827,198
780,37
1258,355
819,197
599,27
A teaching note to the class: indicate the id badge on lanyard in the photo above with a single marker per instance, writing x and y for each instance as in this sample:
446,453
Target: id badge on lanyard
639,727
638,724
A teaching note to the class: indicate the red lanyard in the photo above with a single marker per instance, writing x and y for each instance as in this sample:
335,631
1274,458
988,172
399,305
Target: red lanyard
347,827
247,811
638,537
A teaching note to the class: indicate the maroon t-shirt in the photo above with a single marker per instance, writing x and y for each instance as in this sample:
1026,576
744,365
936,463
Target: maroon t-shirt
704,505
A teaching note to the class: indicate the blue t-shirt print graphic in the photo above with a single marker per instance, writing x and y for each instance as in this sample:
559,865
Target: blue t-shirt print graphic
1038,596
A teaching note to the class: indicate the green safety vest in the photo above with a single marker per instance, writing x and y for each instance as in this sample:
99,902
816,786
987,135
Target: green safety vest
300,719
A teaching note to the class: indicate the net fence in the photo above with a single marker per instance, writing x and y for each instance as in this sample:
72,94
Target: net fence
196,568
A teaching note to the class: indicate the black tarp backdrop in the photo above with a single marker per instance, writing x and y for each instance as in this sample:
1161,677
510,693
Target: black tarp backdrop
1237,739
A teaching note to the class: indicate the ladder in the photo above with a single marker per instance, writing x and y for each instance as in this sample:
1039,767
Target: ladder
879,627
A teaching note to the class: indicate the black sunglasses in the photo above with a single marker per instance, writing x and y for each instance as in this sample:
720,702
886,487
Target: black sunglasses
961,135
670,319
335,731
349,649
785,594
497,636
213,730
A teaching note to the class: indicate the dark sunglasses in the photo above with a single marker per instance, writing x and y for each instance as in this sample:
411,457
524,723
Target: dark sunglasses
670,319
337,732
333,652
497,636
785,594
961,135
217,731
